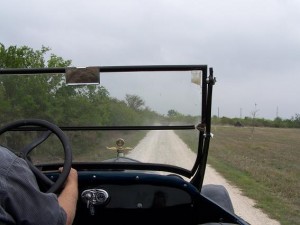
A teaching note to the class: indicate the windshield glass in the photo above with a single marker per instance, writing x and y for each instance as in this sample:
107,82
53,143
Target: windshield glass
147,116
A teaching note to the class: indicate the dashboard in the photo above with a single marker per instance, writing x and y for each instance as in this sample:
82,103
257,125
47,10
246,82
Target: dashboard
122,197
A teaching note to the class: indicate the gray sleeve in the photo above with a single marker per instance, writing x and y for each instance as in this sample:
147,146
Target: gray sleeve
26,203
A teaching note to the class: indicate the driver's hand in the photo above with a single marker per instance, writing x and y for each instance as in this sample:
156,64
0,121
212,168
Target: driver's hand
69,195
73,176
72,179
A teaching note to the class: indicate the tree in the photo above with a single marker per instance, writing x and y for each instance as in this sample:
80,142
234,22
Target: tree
27,95
134,101
172,113
297,120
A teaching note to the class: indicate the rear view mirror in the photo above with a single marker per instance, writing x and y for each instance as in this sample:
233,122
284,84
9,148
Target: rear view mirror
83,76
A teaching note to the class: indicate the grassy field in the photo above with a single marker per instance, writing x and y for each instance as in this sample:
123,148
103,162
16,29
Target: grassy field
265,164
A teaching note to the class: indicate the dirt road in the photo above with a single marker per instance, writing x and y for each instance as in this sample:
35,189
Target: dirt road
167,144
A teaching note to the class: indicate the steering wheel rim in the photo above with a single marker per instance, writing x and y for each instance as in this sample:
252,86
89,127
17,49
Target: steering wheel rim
63,139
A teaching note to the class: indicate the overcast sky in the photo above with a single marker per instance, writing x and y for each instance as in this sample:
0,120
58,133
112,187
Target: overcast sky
253,45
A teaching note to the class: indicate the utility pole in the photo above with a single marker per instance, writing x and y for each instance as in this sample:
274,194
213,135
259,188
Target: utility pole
254,114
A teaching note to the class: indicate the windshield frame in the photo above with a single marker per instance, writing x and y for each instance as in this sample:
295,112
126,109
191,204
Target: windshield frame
198,170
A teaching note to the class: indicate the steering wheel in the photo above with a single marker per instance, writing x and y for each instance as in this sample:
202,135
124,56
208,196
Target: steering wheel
49,129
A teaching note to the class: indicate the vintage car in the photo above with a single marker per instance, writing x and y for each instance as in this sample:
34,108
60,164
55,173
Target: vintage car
137,135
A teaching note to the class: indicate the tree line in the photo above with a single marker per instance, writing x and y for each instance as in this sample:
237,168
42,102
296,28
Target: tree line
48,97
278,122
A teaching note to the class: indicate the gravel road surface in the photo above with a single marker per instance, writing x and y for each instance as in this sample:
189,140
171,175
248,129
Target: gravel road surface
172,150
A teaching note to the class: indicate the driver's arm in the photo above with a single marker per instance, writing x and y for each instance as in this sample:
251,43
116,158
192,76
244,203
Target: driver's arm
69,195
21,200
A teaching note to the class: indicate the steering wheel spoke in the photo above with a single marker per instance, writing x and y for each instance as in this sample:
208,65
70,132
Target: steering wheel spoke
28,148
40,175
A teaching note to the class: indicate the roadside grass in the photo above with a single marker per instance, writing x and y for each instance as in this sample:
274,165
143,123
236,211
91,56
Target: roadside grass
265,165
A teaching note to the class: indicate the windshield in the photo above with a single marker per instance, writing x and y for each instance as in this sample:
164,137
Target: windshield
149,116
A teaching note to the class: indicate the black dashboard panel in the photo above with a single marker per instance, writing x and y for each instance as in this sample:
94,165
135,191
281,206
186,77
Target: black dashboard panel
130,190
127,197
132,194
139,196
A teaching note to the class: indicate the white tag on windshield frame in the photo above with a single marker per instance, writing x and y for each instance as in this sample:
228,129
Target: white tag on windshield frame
196,77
